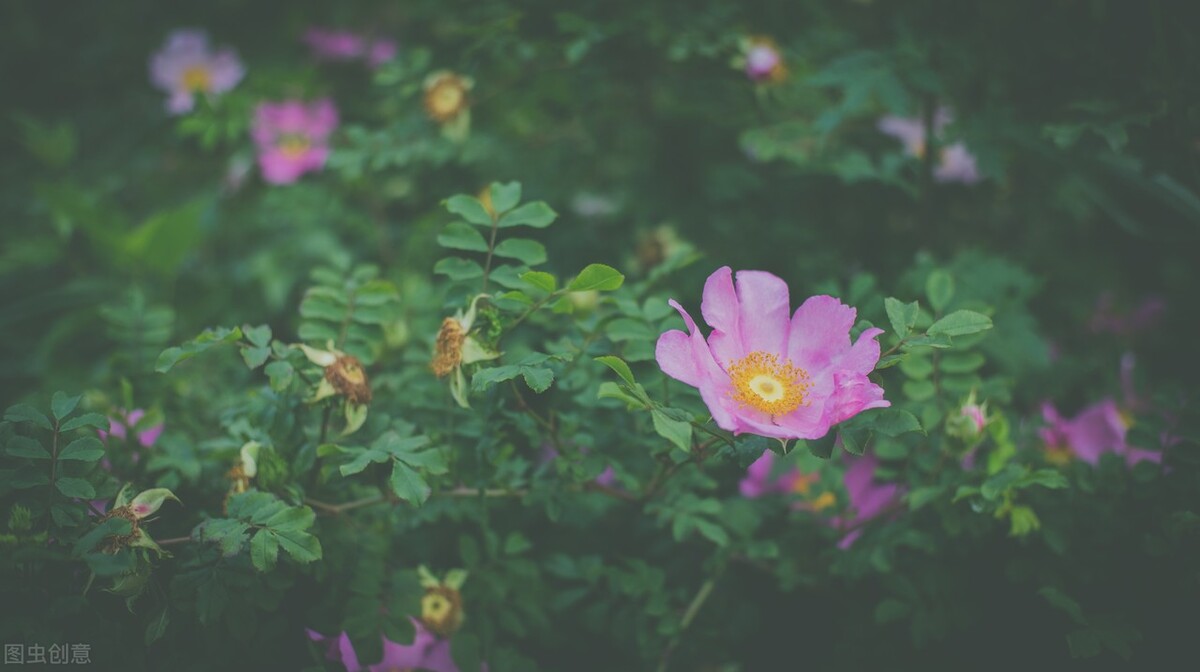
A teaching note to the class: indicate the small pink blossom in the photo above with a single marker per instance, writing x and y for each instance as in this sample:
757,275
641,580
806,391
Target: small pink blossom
955,164
293,137
120,425
868,499
764,372
343,45
187,66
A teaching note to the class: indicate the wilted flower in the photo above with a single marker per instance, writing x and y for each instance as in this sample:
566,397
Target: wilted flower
343,45
868,499
135,510
765,373
187,66
345,376
955,163
442,606
456,347
293,137
122,423
762,60
447,101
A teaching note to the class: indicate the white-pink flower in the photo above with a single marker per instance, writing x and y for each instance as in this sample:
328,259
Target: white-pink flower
293,137
187,65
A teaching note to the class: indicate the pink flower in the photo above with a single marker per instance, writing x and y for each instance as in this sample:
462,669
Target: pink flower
975,414
427,652
763,372
293,137
955,163
343,45
1142,317
119,427
868,499
186,66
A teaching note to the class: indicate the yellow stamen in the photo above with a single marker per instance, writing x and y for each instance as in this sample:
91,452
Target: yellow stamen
761,382
294,145
824,501
196,78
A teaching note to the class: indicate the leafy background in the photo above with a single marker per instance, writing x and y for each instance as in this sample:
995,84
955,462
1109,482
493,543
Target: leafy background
123,236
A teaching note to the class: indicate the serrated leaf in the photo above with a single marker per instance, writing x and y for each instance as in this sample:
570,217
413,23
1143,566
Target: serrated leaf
540,280
462,236
23,446
207,339
75,487
469,208
538,379
27,413
893,422
264,550
902,315
457,268
619,366
939,288
259,336
408,484
255,357
505,196
97,420
62,405
536,214
678,432
84,449
596,277
960,323
528,252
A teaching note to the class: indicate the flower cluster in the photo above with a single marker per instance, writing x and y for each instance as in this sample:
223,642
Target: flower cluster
342,45
955,162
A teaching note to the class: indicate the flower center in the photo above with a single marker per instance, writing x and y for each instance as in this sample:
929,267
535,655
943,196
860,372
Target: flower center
762,382
294,145
196,78
824,501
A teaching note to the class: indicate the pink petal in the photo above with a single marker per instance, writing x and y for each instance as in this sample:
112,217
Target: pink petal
820,332
676,359
763,307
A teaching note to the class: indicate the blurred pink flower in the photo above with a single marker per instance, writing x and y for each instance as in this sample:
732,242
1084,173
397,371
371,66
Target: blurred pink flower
342,45
293,137
187,66
119,427
427,652
763,372
1146,315
868,499
955,162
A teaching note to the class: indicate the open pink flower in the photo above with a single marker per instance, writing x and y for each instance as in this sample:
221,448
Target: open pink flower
343,45
293,137
187,66
764,372
955,164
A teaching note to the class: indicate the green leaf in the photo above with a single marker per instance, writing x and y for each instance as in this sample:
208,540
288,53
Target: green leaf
27,413
109,528
960,323
457,268
902,315
464,650
528,252
939,287
469,208
537,378
62,405
264,550
961,362
596,277
678,432
620,367
504,196
23,446
207,339
229,534
408,484
893,422
462,236
85,449
301,546
281,374
259,336
255,357
75,487
1062,601
97,420
540,280
536,214
918,390
854,439
363,458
